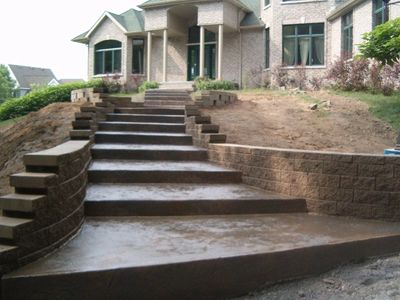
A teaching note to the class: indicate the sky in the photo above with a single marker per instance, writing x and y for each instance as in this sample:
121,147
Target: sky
38,33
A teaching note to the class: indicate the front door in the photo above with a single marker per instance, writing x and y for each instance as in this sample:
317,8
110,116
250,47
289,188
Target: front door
194,61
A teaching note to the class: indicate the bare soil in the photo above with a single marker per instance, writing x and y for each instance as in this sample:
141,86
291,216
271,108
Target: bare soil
284,120
37,131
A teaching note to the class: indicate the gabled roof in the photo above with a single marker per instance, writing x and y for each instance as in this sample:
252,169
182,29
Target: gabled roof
28,76
155,3
131,21
343,8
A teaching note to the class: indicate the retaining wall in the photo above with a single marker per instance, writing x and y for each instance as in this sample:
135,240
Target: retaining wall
215,98
47,207
366,186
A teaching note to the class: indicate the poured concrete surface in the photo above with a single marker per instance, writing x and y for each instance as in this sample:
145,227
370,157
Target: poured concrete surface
146,147
197,257
177,192
129,165
143,133
185,199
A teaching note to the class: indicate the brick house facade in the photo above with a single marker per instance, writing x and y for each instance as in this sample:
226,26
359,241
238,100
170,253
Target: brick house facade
179,40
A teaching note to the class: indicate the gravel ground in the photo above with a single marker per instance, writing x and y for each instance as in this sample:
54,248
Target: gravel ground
375,279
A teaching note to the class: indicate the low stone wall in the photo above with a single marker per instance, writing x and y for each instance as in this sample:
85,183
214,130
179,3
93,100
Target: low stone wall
86,95
215,98
47,207
366,186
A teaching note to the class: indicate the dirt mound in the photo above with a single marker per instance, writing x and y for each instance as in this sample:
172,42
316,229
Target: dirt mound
37,131
277,119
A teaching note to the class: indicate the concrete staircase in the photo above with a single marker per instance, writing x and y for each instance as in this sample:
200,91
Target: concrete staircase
164,223
167,97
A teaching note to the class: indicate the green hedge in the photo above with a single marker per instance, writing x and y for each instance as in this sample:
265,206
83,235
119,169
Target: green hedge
148,85
38,99
207,85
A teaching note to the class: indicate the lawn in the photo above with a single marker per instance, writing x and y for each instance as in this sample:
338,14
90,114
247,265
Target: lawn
9,122
386,108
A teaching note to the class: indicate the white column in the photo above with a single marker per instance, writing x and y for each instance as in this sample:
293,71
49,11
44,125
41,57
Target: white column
165,54
149,42
202,50
220,50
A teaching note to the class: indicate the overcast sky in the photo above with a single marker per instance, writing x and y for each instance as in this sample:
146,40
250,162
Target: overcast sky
38,33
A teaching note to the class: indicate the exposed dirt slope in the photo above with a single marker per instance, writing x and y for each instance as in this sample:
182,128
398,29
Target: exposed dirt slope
277,119
37,131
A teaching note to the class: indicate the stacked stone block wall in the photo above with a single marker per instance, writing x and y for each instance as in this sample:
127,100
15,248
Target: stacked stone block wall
366,186
215,98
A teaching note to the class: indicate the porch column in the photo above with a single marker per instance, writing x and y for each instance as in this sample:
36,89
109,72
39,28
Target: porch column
165,54
202,39
149,42
220,50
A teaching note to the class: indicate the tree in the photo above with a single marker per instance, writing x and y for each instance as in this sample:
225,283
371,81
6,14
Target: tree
383,43
6,84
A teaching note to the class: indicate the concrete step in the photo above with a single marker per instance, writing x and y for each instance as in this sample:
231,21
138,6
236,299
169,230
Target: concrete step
27,180
128,171
185,199
10,227
210,257
152,138
142,127
167,97
148,152
167,102
22,202
151,111
146,118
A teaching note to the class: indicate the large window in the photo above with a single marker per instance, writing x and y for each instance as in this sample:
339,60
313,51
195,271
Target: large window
194,36
138,56
267,48
304,44
381,13
347,36
107,57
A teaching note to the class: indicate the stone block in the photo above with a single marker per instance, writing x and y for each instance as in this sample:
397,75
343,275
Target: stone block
321,207
29,180
364,183
371,197
22,202
339,168
312,166
375,170
335,194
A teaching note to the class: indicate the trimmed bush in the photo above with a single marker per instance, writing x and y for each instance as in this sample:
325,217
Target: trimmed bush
40,98
208,85
148,85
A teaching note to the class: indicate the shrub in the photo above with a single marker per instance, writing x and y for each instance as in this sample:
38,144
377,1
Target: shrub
257,78
338,72
316,82
280,76
358,73
383,43
148,85
299,78
40,98
203,84
112,83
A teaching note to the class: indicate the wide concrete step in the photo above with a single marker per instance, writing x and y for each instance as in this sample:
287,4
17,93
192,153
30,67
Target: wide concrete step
142,127
151,111
202,257
128,171
155,138
167,97
146,118
148,152
167,102
22,202
185,199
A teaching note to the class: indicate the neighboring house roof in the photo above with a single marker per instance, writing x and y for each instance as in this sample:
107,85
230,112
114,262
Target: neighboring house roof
28,76
131,21
343,8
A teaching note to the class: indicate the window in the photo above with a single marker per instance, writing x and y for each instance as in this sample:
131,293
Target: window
347,36
380,13
138,56
194,35
267,2
107,57
304,45
267,41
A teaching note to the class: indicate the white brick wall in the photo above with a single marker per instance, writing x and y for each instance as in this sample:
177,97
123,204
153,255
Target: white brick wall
362,23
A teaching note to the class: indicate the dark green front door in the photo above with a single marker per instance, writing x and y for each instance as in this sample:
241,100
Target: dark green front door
194,61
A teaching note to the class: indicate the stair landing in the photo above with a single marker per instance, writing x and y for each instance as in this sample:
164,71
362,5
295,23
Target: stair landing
207,257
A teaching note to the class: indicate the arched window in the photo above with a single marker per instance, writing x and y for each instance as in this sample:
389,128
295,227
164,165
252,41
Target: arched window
107,57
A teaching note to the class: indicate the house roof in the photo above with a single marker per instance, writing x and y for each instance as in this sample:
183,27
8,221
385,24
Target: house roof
252,18
28,76
343,8
155,3
131,21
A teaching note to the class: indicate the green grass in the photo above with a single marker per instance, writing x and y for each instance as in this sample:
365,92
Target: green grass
386,108
9,122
